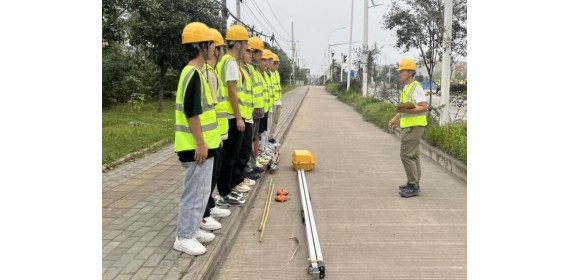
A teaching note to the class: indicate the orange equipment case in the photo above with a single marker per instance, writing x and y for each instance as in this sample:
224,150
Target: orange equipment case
303,159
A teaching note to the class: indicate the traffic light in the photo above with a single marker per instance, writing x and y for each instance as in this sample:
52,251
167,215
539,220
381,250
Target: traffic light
344,58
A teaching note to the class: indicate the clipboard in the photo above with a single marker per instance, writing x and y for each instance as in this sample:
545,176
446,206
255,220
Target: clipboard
407,105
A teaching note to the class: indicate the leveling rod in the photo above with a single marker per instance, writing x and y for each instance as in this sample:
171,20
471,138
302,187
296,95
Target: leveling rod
316,265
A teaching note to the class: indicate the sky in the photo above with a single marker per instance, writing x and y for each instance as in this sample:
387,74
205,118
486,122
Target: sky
314,21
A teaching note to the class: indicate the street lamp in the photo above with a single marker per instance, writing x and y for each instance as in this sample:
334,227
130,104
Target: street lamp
329,50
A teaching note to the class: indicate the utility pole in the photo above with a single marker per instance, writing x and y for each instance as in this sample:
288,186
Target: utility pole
224,16
293,52
349,49
340,63
365,51
446,62
238,13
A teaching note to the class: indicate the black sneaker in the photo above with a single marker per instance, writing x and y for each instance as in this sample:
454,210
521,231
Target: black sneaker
229,200
401,187
253,175
237,195
410,190
258,170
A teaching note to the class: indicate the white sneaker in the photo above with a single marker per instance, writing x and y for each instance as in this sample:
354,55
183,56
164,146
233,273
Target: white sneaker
268,152
189,246
249,182
262,160
210,223
203,236
265,157
242,188
258,164
219,212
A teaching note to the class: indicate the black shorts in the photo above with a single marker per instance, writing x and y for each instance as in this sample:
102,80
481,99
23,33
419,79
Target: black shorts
263,123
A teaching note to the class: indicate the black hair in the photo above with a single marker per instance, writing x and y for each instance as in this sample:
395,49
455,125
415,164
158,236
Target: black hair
193,49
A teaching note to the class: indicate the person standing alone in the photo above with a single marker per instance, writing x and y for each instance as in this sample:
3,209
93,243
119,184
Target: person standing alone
413,120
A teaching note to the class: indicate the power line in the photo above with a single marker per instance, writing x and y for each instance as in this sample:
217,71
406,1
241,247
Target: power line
272,38
265,18
277,18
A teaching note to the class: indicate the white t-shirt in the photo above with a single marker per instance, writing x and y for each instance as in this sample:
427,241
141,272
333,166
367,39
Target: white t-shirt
419,94
232,74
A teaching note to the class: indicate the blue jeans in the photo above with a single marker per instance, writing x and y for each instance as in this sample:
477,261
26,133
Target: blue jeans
194,197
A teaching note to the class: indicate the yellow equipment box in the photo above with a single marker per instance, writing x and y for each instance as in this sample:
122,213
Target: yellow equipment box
303,159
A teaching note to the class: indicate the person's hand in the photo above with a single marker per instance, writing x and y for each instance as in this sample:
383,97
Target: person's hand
391,122
201,153
240,124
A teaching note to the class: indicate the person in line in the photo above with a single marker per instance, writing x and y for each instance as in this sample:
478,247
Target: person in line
232,86
212,211
256,46
413,120
276,80
196,139
240,181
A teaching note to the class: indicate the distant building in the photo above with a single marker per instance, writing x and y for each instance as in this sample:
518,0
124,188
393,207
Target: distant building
459,70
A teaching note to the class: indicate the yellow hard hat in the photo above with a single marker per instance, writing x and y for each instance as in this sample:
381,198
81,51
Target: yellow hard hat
255,43
196,32
407,64
237,33
218,39
275,57
266,54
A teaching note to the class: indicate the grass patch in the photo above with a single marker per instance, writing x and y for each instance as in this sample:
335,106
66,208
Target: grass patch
450,138
127,131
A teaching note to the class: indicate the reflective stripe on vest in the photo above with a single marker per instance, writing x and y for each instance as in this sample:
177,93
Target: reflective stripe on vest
183,138
222,105
247,101
257,86
265,94
222,69
271,89
407,120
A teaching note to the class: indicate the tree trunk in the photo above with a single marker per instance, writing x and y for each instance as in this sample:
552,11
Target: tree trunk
163,69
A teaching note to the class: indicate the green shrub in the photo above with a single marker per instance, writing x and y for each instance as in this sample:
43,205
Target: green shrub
450,138
331,88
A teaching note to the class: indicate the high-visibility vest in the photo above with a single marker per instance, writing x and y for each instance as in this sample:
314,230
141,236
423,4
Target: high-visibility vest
257,86
222,105
247,102
221,69
270,87
276,86
265,87
278,83
407,120
183,138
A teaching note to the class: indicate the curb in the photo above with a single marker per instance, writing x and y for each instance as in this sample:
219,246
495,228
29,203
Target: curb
133,155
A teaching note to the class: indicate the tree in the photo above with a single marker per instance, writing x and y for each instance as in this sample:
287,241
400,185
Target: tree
156,27
370,57
419,25
113,21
